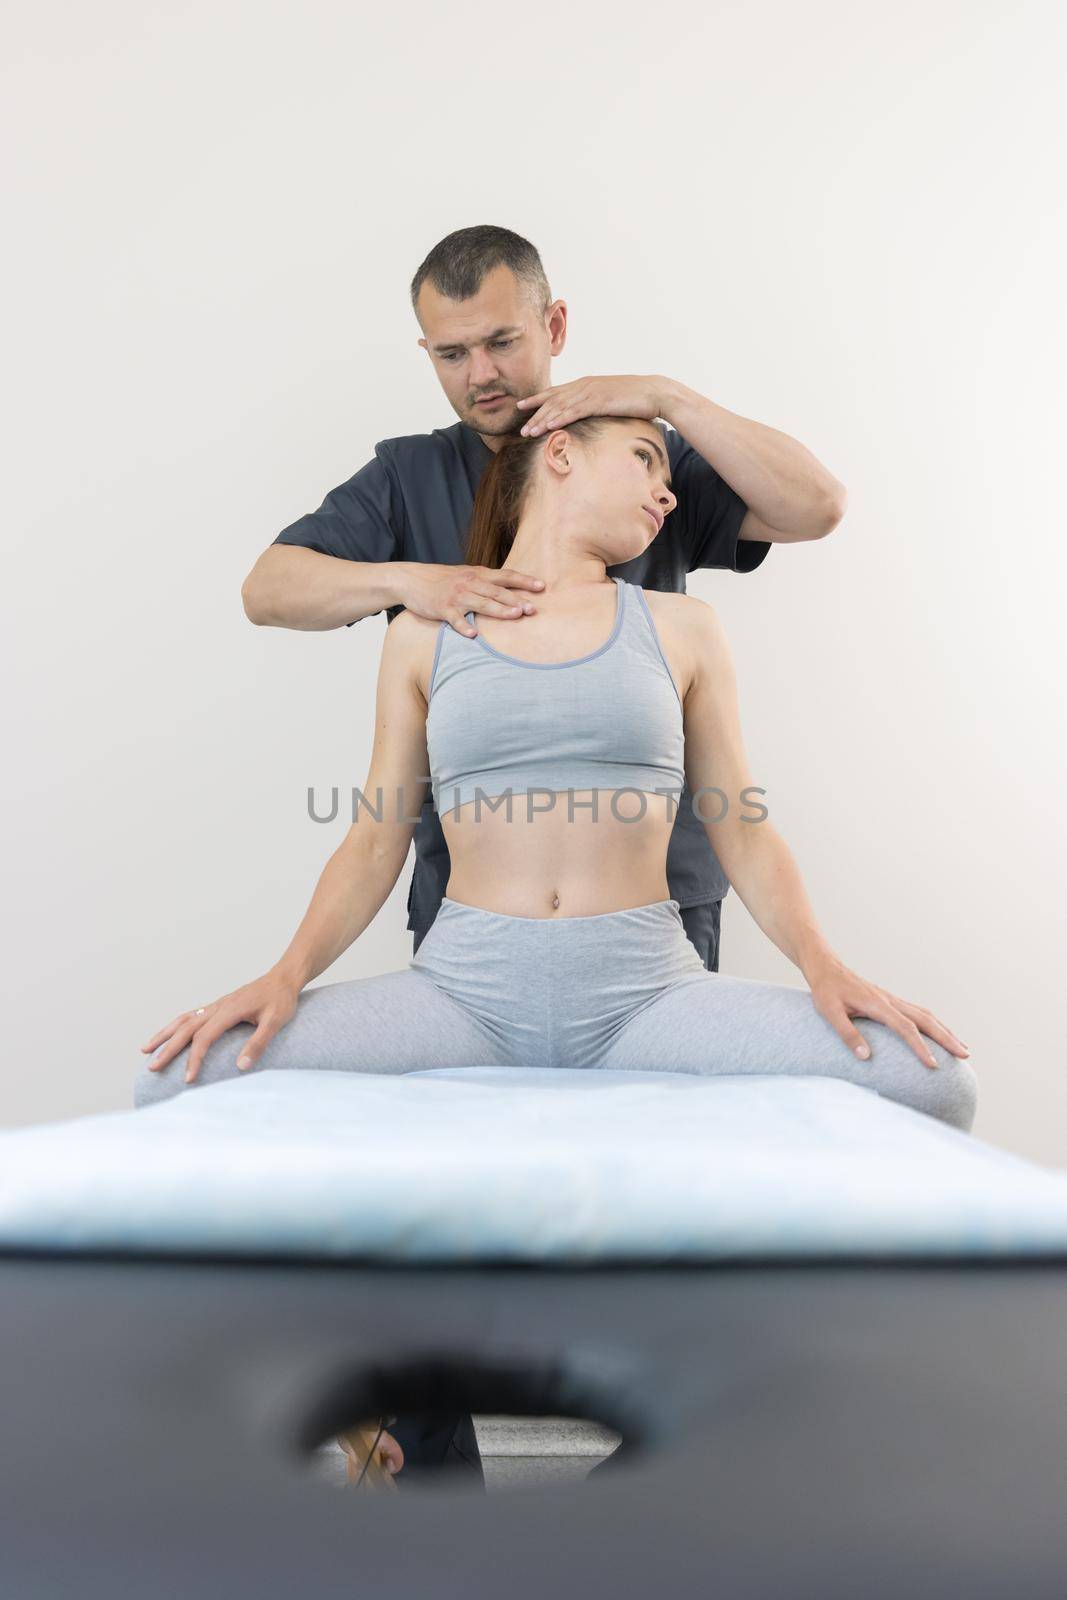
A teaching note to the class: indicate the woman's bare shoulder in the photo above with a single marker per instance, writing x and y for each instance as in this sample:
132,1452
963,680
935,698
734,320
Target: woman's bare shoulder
409,647
688,628
683,608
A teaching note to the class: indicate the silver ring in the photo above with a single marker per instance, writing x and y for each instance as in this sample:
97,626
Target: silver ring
199,1012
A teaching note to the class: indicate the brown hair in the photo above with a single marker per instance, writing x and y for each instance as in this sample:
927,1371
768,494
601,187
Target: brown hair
503,489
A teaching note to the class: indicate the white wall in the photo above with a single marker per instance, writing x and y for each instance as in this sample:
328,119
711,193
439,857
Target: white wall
843,220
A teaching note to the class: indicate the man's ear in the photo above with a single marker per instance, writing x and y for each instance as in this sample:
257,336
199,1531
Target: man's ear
557,314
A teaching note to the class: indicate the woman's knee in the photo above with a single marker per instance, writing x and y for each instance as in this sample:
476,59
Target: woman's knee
956,1089
948,1091
151,1087
219,1062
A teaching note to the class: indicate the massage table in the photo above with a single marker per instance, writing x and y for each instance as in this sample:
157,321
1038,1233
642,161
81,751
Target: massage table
830,1330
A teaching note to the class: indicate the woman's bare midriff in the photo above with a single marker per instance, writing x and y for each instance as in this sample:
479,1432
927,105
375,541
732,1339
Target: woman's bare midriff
559,862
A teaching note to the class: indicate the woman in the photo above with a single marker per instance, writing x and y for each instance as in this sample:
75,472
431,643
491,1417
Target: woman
556,770
553,773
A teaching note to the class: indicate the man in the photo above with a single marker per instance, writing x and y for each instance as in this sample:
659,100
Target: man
393,536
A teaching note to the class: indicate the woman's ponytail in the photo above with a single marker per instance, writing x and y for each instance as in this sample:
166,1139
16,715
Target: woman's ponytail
502,493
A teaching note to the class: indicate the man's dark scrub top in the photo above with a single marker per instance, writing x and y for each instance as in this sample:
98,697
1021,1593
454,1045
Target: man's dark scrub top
413,502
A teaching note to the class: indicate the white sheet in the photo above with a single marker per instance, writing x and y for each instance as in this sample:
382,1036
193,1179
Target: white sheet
532,1165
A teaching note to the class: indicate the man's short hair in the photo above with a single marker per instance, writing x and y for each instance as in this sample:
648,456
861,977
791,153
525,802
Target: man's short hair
458,264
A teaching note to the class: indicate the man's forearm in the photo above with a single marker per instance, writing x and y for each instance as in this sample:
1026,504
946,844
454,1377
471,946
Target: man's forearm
776,476
290,587
762,871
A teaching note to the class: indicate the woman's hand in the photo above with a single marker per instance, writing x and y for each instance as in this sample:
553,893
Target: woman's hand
839,994
268,1002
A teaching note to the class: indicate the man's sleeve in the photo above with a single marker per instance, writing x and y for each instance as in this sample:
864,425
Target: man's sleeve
711,514
357,521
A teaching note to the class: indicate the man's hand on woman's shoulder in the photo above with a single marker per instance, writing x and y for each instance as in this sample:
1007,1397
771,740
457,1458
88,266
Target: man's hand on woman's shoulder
445,593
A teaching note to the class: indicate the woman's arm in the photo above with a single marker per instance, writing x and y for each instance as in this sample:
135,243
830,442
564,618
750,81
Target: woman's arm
356,881
754,856
757,860
362,872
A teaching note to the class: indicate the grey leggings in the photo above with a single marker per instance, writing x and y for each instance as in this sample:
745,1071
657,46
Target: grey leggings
624,990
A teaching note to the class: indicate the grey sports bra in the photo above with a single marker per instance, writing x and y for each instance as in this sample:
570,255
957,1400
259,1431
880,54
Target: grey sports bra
609,720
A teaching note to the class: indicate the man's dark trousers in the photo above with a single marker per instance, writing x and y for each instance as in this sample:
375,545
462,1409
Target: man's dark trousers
449,1444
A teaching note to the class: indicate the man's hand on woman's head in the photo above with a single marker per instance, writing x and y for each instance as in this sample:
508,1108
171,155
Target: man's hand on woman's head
624,394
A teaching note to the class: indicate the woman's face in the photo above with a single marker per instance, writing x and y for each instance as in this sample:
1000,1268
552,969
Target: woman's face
617,485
